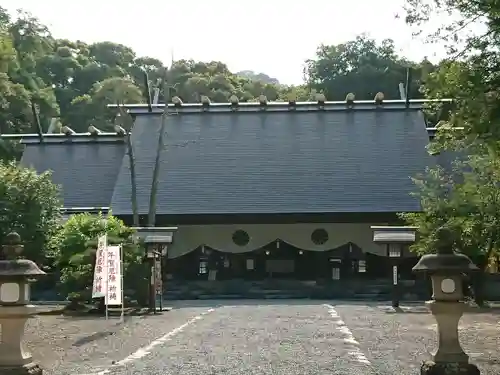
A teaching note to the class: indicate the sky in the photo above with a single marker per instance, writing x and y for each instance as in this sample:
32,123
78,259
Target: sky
274,37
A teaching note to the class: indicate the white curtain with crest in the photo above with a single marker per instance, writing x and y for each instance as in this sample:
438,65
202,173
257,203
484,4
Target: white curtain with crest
220,237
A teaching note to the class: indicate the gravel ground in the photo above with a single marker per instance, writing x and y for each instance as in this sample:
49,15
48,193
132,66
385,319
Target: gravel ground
84,345
271,338
398,343
256,337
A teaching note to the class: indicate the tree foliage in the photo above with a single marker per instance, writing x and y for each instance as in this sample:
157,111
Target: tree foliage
74,81
471,75
364,67
465,199
30,205
74,248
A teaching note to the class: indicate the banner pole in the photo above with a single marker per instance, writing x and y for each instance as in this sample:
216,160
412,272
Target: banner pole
106,294
163,262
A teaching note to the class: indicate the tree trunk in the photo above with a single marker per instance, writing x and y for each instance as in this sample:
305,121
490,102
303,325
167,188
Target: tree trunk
133,180
478,286
154,184
128,124
478,282
156,169
478,279
156,175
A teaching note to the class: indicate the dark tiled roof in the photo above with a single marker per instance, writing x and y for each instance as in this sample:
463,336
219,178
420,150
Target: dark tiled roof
86,171
279,162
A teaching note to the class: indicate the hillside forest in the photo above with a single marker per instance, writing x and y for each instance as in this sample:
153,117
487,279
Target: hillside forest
73,81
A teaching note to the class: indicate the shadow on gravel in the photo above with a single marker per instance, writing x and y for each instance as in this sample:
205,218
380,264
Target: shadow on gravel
98,335
112,320
94,337
483,310
425,310
405,310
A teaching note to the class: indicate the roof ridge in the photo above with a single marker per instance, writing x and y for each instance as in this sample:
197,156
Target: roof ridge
103,138
284,106
61,138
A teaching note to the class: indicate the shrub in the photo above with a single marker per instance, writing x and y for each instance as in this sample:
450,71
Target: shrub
30,205
74,250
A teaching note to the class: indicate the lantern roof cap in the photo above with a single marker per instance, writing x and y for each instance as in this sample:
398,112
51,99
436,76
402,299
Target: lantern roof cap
12,266
445,263
18,268
445,260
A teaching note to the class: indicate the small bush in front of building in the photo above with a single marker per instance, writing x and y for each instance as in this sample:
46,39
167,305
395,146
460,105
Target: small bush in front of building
74,249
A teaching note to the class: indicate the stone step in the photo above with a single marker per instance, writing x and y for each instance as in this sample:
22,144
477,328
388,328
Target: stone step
279,289
288,294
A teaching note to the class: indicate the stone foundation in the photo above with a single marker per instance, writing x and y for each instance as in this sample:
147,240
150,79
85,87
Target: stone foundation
433,368
274,288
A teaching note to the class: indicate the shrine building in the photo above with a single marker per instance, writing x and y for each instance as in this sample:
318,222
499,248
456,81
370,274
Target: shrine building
264,195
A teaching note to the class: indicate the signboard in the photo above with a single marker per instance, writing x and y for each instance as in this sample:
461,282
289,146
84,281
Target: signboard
158,278
99,284
250,264
108,277
114,274
395,275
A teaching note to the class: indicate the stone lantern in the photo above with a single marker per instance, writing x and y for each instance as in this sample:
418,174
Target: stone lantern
15,278
446,269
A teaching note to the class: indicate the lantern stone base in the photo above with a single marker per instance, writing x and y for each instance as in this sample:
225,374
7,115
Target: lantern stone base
447,315
29,369
433,368
14,359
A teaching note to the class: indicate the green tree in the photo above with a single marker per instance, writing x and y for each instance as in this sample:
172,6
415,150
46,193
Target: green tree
191,79
75,80
32,41
14,98
30,205
110,91
466,199
22,43
73,249
471,75
363,67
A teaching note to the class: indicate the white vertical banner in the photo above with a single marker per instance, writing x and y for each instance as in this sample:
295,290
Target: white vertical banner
100,269
158,281
114,295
